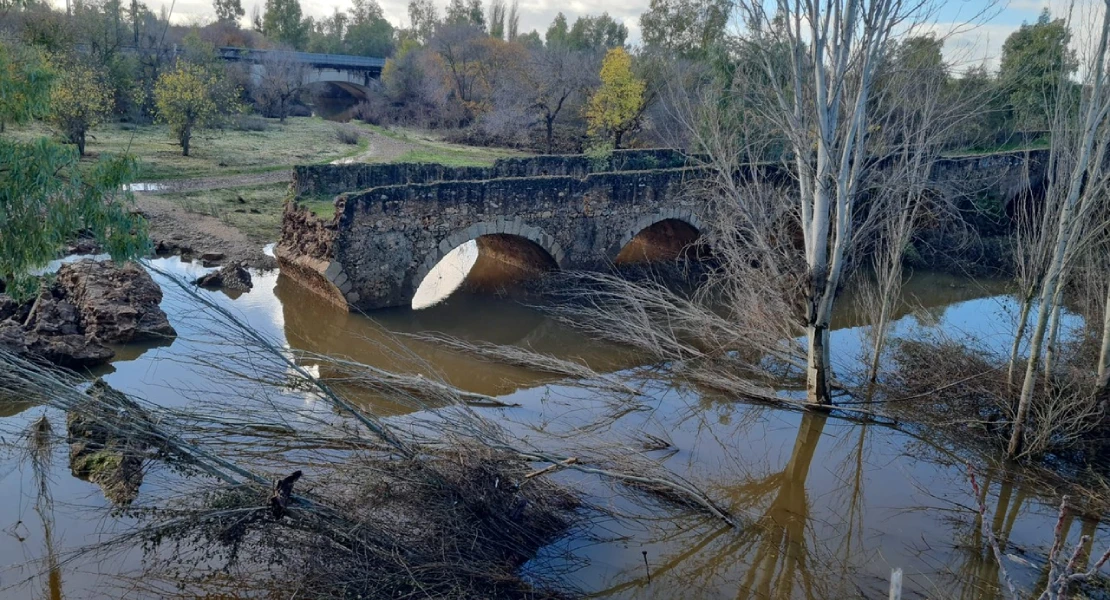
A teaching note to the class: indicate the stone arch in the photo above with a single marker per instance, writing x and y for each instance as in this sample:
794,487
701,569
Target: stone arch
678,214
514,226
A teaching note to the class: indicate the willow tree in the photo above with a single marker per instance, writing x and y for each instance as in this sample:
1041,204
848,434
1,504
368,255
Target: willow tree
45,199
820,61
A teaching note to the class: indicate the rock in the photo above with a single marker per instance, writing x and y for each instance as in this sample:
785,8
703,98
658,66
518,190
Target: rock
97,453
114,304
231,277
52,333
171,247
10,309
83,246
212,256
75,351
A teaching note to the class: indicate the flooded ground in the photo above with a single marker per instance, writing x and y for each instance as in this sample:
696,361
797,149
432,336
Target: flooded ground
829,505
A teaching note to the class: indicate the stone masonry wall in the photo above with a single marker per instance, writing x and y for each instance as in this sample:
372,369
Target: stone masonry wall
388,238
336,179
384,239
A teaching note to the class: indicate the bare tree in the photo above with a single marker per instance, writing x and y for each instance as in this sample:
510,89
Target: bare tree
820,62
554,77
1077,185
283,78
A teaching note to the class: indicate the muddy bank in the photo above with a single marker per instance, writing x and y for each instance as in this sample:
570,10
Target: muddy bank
176,231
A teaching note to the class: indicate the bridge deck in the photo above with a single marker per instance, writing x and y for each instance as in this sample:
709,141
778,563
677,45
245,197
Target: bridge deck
344,61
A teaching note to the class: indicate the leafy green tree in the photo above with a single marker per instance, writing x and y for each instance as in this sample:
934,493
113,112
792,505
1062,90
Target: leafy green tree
530,40
283,23
557,33
614,109
369,33
229,11
497,19
80,101
465,12
423,18
190,97
688,28
1035,59
596,33
45,198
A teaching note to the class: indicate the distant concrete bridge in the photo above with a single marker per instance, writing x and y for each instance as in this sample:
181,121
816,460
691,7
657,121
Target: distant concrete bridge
352,74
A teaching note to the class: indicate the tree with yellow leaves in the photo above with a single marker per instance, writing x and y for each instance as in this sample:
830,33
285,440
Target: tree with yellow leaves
79,101
185,99
615,107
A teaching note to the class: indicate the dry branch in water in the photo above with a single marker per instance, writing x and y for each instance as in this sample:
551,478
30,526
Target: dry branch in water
431,503
1061,575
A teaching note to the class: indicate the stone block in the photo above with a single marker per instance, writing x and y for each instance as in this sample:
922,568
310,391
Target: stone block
333,270
339,281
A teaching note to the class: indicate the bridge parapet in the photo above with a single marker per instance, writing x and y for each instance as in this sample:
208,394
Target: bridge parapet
336,179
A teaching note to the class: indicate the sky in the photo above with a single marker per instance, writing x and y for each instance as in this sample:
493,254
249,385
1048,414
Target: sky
965,46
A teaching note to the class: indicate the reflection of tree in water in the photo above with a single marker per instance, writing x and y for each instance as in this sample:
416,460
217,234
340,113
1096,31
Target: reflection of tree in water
977,575
782,554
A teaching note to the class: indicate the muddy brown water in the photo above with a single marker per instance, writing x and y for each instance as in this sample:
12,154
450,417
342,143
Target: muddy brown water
829,505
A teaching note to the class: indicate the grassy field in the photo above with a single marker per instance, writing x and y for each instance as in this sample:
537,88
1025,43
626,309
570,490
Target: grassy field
218,152
420,147
255,210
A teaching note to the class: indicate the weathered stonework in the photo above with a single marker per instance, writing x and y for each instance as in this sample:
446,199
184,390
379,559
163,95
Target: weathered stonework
384,239
328,180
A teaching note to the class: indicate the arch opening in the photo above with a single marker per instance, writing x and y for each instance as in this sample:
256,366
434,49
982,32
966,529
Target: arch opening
494,263
664,240
334,101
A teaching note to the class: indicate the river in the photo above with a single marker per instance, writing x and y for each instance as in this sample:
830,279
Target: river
832,504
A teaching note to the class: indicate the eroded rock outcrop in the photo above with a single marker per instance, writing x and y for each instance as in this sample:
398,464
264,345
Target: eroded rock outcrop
116,304
233,278
89,304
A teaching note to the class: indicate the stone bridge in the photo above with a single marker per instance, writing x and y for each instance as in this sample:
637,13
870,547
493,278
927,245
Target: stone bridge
385,239
563,212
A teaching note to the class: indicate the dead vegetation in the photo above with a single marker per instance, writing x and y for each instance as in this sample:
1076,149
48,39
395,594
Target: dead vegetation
271,481
957,388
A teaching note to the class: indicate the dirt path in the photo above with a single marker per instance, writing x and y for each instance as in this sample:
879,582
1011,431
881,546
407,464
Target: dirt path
381,148
181,231
192,233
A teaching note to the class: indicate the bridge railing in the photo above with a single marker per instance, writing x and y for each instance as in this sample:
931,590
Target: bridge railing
312,58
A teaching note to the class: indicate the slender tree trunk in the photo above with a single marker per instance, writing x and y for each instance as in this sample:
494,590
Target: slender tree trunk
617,139
550,134
817,365
1015,348
185,136
1050,346
1036,344
80,138
1104,349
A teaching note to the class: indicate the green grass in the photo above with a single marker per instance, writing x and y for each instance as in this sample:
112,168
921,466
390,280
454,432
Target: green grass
323,207
427,149
449,157
216,152
254,210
